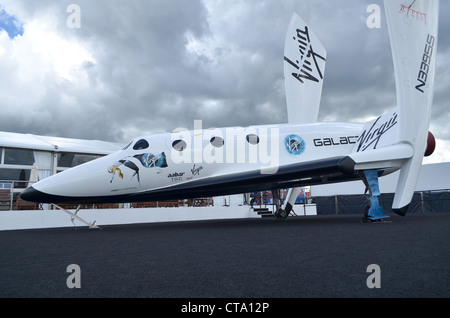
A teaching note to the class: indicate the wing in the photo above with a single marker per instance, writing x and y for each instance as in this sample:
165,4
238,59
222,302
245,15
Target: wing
299,174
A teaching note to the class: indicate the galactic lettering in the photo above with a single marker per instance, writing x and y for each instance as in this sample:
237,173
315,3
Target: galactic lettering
334,141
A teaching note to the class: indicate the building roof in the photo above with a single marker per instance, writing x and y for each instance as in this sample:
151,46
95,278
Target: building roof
58,144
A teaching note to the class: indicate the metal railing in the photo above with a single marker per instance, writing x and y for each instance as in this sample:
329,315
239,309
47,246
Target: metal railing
422,202
6,195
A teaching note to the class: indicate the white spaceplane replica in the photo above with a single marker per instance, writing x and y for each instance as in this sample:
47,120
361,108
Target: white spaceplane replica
211,162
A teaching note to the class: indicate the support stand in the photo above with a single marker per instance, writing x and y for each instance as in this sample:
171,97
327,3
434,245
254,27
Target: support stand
283,213
74,216
279,212
375,213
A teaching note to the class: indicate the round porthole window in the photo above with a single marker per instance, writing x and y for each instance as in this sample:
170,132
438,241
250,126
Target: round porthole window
253,139
141,144
179,145
217,141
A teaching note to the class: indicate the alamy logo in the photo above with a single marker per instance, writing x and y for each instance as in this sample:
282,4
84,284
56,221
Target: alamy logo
308,68
374,19
374,279
74,19
74,279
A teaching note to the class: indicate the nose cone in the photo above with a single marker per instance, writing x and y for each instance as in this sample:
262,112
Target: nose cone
87,183
33,195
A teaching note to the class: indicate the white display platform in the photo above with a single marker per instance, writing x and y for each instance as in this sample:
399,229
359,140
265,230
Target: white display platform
18,220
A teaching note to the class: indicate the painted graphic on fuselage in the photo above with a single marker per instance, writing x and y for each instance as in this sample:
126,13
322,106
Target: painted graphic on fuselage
147,160
294,145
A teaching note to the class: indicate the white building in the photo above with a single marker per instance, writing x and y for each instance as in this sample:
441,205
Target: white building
19,152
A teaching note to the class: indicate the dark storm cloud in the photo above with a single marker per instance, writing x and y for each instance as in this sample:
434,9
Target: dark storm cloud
157,65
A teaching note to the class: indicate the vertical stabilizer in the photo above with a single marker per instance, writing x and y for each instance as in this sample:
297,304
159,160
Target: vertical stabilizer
413,28
304,66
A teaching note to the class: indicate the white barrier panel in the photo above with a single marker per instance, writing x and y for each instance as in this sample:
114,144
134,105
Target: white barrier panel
17,220
305,209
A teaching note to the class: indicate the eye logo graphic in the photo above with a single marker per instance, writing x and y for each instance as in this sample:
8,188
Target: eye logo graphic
294,145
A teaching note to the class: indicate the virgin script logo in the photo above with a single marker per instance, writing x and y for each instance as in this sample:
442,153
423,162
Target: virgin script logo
370,137
308,67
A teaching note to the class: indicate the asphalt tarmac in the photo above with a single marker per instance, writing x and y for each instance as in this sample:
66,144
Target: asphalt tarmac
312,256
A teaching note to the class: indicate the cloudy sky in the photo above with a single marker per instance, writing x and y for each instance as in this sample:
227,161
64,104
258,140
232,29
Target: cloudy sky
139,67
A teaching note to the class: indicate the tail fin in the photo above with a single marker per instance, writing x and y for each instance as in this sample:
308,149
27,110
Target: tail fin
304,66
413,31
398,139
